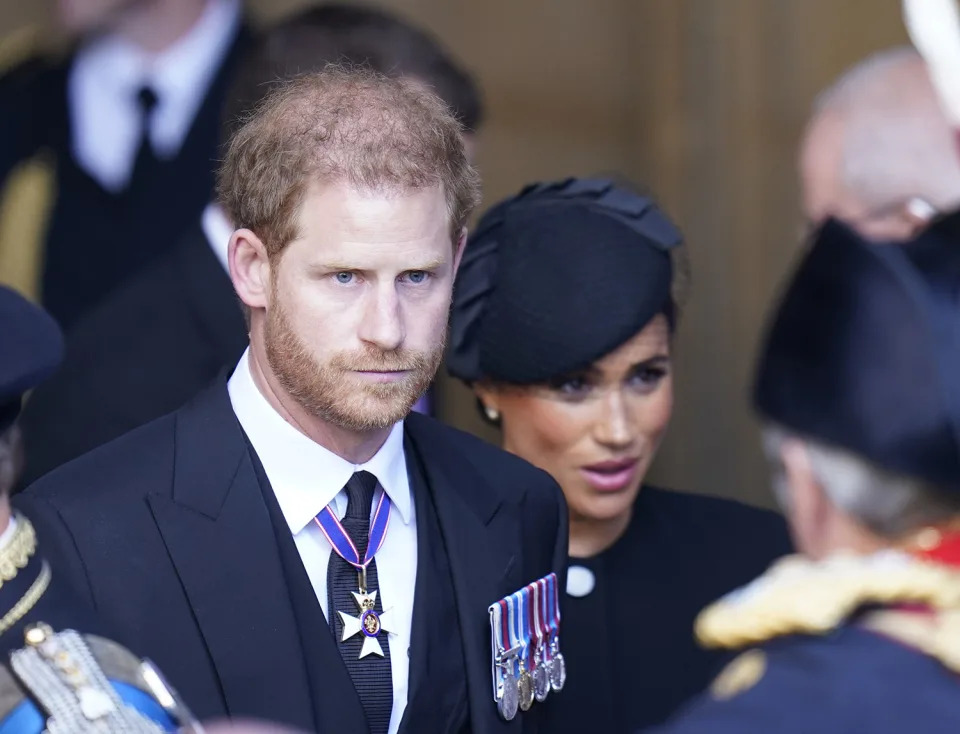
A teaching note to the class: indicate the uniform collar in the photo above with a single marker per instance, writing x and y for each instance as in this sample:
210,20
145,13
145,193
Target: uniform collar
304,475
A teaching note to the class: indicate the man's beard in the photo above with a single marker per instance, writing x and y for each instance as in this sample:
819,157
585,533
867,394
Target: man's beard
328,391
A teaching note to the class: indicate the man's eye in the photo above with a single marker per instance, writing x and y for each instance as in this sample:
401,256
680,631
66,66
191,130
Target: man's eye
417,276
344,278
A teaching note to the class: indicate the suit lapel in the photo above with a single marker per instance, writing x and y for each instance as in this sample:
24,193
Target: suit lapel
219,536
481,542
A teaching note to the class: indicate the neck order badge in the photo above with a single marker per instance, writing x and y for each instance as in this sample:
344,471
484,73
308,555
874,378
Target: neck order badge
526,654
369,623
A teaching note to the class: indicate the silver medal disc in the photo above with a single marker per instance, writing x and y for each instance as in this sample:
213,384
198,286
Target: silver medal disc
558,672
510,699
541,682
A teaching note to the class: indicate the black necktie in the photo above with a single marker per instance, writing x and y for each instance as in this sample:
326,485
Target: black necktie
145,161
371,675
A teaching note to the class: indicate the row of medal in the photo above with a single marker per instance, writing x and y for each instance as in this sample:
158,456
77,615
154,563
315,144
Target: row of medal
527,662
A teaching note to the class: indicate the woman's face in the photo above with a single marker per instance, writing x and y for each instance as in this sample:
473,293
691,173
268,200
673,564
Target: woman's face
594,431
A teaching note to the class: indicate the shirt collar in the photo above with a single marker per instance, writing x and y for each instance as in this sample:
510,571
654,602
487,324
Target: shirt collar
107,72
218,229
305,476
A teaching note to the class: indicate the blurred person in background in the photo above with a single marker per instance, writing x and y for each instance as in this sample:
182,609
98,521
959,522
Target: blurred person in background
879,153
858,384
112,145
57,673
563,323
133,359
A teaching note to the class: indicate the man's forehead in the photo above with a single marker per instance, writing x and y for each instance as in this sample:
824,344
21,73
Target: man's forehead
347,205
348,220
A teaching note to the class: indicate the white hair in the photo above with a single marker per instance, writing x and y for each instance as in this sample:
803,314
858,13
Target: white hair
886,503
897,142
9,459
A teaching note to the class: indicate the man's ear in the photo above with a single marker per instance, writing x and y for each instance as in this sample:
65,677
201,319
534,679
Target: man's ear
249,268
459,248
808,507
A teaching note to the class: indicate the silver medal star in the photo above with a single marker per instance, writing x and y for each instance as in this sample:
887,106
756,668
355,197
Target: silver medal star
368,623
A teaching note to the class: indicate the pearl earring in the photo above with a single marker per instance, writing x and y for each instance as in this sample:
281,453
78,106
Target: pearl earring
492,413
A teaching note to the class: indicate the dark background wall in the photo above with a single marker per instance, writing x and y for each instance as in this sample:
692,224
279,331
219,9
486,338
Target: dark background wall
701,100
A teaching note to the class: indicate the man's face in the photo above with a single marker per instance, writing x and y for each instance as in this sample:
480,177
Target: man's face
356,322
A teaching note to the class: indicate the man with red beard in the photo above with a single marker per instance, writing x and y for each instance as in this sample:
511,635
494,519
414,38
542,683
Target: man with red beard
293,545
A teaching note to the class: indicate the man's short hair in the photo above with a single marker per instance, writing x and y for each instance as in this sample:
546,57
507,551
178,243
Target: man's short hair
342,125
354,35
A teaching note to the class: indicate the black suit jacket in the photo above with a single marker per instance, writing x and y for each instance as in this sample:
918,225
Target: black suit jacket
144,352
165,530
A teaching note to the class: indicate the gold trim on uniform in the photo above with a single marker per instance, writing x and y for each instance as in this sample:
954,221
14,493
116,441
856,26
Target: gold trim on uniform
935,635
800,596
28,601
740,675
16,554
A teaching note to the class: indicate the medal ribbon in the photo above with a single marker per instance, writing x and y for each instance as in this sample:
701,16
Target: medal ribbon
341,542
542,624
504,619
534,616
553,610
523,626
514,626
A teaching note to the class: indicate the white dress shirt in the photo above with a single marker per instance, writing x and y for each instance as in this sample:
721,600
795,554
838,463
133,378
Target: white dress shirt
306,477
102,90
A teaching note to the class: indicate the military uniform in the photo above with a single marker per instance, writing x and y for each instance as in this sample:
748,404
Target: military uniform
53,678
863,358
851,644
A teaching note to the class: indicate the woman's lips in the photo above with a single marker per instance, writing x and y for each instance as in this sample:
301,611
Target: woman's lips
611,476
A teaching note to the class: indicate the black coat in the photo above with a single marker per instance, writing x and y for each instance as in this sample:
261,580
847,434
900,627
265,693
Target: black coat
144,352
629,643
167,532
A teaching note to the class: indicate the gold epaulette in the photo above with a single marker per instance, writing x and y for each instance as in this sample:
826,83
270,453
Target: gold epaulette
799,596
